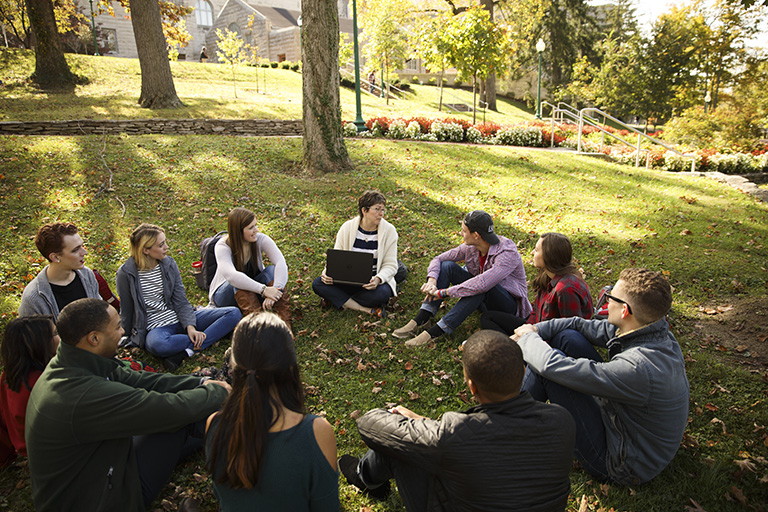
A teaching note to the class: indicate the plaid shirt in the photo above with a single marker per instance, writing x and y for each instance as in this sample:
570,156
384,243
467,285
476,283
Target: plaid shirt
566,296
503,266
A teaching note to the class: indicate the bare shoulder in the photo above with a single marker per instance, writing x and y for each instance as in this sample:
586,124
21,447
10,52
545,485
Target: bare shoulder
326,439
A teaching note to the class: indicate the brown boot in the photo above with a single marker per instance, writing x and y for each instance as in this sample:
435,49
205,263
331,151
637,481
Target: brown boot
282,308
248,302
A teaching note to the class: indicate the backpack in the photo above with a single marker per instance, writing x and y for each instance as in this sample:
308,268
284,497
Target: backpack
208,258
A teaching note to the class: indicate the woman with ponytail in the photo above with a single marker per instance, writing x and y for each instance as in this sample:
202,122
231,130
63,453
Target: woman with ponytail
262,450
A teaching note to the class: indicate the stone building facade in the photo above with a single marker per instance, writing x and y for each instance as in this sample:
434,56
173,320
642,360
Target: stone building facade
275,30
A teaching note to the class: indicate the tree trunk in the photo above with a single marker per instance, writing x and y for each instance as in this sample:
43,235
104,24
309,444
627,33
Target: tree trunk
51,68
489,86
324,148
157,89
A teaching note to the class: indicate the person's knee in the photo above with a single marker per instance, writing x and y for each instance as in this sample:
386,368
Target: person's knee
317,284
448,266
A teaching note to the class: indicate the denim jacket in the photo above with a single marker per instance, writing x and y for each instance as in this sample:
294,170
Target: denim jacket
642,390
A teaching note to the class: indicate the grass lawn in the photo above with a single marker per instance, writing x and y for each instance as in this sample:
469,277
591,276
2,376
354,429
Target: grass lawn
207,92
708,238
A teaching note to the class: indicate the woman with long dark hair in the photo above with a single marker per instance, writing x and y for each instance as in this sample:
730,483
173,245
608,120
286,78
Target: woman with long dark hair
28,344
560,290
155,312
241,278
262,450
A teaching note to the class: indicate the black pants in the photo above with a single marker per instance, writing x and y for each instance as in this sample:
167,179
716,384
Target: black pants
500,321
412,482
158,454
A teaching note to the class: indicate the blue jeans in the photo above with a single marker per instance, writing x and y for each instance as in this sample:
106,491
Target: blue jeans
413,483
591,448
495,299
338,294
225,294
171,339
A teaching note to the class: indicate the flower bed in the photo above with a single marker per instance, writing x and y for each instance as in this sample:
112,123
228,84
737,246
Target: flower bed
540,134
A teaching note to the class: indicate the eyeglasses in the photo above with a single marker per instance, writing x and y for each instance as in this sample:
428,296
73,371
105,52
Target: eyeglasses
616,299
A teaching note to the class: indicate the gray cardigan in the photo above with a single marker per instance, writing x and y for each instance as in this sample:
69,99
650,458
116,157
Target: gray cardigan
642,391
38,299
133,310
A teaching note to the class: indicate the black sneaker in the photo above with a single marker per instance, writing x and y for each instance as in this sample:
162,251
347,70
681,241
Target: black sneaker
348,466
173,361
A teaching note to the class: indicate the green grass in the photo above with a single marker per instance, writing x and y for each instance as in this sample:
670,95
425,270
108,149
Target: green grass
616,217
206,91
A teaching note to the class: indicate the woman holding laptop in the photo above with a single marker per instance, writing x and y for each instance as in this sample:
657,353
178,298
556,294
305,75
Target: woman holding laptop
368,232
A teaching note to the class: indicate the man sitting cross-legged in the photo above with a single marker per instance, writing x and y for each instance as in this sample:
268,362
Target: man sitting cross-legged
630,411
86,408
508,453
493,278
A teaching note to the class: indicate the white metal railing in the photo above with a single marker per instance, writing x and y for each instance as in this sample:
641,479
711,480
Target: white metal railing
367,84
565,112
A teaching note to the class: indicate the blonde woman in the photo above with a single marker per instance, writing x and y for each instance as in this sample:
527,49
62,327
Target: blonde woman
155,312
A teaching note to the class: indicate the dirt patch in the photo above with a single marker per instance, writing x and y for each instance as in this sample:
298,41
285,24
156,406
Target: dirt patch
738,328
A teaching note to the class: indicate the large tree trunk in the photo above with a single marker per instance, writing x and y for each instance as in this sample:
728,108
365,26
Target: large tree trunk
489,87
324,148
157,89
51,68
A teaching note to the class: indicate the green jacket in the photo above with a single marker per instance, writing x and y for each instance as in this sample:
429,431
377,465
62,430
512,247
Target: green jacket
80,418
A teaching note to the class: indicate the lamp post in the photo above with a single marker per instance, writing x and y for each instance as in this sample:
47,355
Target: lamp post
707,99
359,122
540,46
93,30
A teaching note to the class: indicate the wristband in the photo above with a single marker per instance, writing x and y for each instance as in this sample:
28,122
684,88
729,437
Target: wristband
442,293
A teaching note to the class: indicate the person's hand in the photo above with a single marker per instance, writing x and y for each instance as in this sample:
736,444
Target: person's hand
325,278
430,289
196,337
267,304
270,292
404,411
373,284
523,329
220,383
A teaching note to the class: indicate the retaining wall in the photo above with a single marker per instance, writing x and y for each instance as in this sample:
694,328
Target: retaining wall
252,127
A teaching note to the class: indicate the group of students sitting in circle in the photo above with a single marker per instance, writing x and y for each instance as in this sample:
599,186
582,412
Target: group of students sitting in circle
100,435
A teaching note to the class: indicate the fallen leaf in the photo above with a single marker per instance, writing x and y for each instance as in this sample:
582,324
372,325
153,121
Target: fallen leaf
355,414
739,495
376,390
741,348
412,395
408,365
723,309
583,505
436,381
711,407
695,508
746,465
197,477
716,420
686,232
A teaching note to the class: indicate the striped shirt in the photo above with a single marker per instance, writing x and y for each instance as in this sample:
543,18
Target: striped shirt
367,241
158,313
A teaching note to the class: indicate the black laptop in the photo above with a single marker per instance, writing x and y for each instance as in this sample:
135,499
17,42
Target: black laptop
349,267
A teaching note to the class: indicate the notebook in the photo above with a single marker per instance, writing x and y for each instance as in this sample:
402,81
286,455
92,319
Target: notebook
349,267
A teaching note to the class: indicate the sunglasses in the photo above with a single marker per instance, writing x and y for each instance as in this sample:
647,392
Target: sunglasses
616,299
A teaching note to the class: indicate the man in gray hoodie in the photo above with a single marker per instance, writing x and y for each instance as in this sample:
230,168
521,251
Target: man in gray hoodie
631,410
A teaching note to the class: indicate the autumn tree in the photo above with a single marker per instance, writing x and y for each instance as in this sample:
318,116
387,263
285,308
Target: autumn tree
385,33
324,149
476,47
432,46
231,52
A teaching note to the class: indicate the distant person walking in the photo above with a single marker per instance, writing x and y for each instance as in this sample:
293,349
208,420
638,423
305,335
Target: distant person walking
372,80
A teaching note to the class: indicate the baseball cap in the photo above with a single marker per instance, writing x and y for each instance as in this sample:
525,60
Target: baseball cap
480,222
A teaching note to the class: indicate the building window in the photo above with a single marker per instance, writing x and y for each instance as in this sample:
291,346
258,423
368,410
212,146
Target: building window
281,57
234,27
204,13
109,39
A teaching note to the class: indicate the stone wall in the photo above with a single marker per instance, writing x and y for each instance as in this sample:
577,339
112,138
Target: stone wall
250,127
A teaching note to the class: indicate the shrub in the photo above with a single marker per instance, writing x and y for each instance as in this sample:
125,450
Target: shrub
296,66
519,136
265,64
487,129
346,82
448,132
457,83
273,65
396,129
349,129
734,163
415,79
405,86
676,163
474,135
413,130
432,81
285,65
